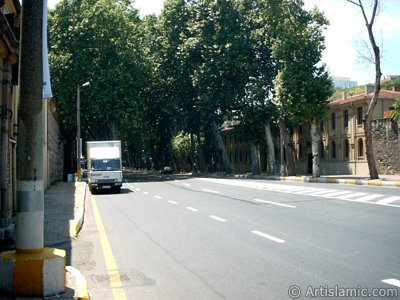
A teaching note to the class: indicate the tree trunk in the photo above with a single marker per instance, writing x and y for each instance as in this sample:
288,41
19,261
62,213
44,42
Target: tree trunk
288,147
201,155
225,160
373,172
315,142
255,166
271,149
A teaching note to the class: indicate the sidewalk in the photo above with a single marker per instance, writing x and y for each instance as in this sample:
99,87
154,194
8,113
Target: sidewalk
63,218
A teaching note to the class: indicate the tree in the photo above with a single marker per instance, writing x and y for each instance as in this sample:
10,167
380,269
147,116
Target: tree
376,59
303,83
96,42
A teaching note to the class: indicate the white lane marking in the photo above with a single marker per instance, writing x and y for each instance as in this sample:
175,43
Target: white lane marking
146,193
352,195
336,194
388,200
312,192
267,236
138,190
186,184
210,191
392,281
369,197
275,203
158,197
173,202
192,209
217,218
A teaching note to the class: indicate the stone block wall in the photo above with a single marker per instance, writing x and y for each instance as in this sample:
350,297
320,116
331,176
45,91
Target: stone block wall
386,143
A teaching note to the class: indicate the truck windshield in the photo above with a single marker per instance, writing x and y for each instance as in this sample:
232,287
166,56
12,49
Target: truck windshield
106,165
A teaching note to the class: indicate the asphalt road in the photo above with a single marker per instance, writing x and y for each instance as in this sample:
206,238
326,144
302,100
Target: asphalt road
240,239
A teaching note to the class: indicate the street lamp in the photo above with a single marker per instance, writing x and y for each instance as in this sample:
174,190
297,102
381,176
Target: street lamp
78,134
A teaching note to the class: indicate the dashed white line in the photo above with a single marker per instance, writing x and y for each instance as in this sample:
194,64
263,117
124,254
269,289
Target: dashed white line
392,281
138,190
210,191
217,218
192,209
186,184
173,202
146,193
267,236
158,197
275,203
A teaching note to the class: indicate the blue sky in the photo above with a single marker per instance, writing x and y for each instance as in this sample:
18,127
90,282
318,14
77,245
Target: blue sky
346,36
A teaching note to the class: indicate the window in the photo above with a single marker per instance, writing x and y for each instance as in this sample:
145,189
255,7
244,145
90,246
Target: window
360,147
333,149
346,149
346,118
333,121
359,116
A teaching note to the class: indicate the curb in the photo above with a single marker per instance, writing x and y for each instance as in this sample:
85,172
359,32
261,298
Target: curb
76,224
370,182
79,282
75,277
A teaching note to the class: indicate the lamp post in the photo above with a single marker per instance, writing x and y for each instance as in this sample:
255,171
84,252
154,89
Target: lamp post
78,134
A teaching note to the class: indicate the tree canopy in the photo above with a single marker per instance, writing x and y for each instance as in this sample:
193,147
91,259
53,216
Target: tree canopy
191,68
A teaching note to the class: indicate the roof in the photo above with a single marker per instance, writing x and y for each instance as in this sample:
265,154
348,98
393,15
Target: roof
383,94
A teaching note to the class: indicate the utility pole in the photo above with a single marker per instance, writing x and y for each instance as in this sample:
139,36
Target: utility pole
32,270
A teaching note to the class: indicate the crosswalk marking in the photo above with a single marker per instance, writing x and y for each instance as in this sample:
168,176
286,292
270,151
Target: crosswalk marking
380,199
388,200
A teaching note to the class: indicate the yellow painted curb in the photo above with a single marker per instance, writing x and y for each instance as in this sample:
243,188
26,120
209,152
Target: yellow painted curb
79,283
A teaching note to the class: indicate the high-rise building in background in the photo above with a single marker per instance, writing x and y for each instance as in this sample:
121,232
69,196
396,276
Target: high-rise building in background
343,82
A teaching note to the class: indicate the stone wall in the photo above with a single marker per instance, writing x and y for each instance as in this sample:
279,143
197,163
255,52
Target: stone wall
55,151
386,143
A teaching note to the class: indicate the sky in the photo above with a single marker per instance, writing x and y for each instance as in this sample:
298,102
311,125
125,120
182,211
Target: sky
345,37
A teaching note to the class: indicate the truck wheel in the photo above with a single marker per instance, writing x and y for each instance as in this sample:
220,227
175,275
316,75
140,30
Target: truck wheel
118,190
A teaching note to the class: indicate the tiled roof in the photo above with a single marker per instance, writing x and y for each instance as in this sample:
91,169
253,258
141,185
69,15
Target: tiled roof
383,94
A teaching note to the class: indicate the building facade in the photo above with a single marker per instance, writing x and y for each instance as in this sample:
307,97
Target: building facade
9,104
342,146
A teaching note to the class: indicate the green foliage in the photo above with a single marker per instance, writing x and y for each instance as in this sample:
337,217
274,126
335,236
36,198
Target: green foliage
303,85
96,42
395,115
156,78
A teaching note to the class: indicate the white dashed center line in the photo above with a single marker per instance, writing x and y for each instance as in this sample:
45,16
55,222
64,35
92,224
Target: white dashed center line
173,202
186,184
158,197
267,236
210,191
192,209
217,218
275,203
392,281
146,193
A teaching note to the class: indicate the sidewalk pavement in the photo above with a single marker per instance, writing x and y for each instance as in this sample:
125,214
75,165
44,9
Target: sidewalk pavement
64,205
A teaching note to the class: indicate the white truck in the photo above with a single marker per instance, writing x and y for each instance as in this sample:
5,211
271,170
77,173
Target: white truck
104,166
